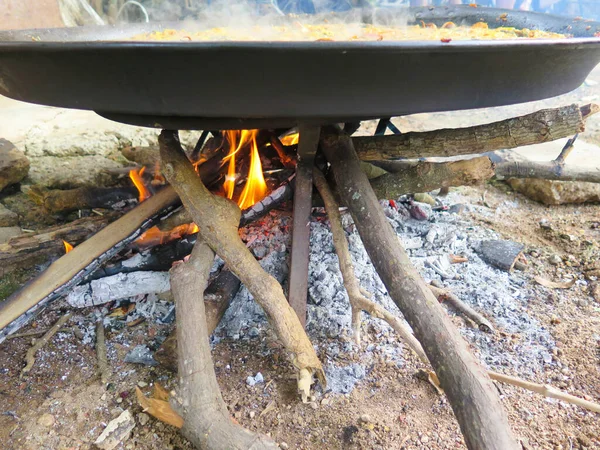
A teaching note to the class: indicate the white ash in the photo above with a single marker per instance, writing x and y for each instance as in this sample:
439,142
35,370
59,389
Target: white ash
500,296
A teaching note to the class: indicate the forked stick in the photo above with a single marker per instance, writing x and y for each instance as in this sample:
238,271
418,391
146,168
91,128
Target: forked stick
358,297
30,356
217,219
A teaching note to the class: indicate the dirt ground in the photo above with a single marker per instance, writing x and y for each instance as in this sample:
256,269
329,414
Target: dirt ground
62,405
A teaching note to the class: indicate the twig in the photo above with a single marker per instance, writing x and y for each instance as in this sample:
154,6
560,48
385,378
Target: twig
30,356
103,370
445,295
567,149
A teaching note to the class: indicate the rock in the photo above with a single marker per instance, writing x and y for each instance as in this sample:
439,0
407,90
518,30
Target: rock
425,198
555,260
252,414
117,431
143,418
145,156
365,418
142,384
7,217
500,253
46,420
141,354
283,446
545,224
457,208
14,165
7,233
557,192
596,292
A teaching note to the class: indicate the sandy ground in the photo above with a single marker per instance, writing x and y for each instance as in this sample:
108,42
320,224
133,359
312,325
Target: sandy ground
61,405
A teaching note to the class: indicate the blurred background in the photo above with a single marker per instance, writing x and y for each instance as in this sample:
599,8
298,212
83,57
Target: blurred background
19,14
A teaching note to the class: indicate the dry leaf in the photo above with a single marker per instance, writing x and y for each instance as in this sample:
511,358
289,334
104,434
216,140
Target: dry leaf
435,382
160,409
554,284
160,393
457,259
122,310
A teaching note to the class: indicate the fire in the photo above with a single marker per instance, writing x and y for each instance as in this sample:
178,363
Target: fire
138,181
237,139
290,139
154,236
68,247
256,187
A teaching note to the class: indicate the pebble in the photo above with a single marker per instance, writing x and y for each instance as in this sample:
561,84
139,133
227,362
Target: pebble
365,418
283,446
143,418
46,420
252,414
142,384
119,400
253,332
555,260
424,439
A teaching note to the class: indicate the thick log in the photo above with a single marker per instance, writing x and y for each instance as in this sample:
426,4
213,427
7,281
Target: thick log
542,126
217,297
207,423
63,201
428,176
35,248
550,170
471,394
219,229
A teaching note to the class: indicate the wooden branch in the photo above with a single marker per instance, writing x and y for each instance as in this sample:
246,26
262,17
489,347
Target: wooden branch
445,295
358,297
103,370
428,176
119,286
217,298
207,423
471,394
36,248
30,356
71,269
542,126
545,390
83,260
62,201
220,230
550,170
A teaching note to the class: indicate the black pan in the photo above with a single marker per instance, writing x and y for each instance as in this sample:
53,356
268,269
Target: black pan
203,85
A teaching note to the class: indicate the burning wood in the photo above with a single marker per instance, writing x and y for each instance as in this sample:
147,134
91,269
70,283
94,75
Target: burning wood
63,201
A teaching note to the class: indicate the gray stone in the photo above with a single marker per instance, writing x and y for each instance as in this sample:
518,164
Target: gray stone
557,192
7,217
7,233
46,420
143,418
555,260
141,355
116,432
14,165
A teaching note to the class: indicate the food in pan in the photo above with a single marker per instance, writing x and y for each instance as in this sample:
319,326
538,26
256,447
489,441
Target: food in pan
351,32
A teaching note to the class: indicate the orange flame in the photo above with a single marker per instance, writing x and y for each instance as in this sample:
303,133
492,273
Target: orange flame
256,187
290,139
237,140
138,181
68,247
154,236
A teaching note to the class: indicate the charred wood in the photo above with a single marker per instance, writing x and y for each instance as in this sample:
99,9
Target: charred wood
30,249
471,393
542,126
63,201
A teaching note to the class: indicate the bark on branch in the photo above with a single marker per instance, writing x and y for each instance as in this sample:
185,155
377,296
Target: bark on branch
542,126
217,219
207,423
471,393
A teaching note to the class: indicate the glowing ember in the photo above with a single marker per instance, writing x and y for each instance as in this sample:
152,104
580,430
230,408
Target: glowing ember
256,188
158,180
155,236
138,181
290,139
68,247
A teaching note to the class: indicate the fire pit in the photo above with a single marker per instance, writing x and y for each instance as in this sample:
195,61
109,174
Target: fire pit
309,86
